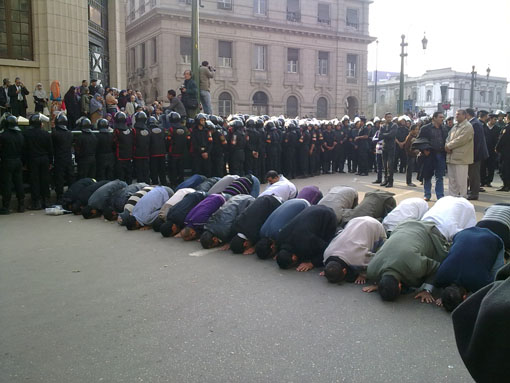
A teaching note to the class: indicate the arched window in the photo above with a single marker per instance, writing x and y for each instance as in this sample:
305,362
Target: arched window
260,103
322,108
292,107
382,98
225,104
429,95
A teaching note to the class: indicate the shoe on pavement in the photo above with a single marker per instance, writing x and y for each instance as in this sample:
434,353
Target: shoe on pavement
426,199
482,190
376,182
389,185
472,198
504,189
411,185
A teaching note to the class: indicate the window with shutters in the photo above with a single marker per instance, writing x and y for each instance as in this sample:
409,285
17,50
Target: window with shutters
260,53
322,108
293,11
260,7
323,16
225,4
225,104
352,18
429,95
323,63
260,104
352,66
292,107
225,54
16,30
292,60
185,49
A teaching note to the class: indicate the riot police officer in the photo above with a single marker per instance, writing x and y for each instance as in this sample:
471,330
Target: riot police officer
157,152
85,149
141,152
272,145
177,141
303,151
261,168
105,157
124,140
11,166
39,156
290,140
201,145
252,148
219,146
63,155
237,144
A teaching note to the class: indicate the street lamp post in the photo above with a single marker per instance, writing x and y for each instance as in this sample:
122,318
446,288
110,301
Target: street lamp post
195,21
472,92
375,82
403,44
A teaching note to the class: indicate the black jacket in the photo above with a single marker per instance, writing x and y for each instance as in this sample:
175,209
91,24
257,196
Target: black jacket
388,134
62,145
105,143
480,145
11,145
38,143
85,146
14,96
426,132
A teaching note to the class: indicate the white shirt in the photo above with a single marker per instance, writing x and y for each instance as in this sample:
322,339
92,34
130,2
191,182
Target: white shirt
451,215
410,208
20,95
174,200
283,189
358,242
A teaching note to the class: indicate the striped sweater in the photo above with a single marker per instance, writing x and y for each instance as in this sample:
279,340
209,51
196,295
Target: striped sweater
133,200
498,213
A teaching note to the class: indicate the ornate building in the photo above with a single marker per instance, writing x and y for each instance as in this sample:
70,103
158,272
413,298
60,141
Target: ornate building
291,57
69,41
437,87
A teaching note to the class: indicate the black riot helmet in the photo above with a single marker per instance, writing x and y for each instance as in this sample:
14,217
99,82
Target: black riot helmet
213,119
236,124
209,125
270,125
61,121
291,125
85,125
220,121
120,121
102,125
259,123
140,119
250,123
12,123
36,120
174,117
153,122
200,116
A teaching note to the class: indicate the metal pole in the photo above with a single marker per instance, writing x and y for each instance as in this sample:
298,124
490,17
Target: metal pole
472,92
403,44
375,83
195,44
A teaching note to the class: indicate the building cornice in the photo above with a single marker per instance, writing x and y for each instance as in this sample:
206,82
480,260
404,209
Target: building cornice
264,25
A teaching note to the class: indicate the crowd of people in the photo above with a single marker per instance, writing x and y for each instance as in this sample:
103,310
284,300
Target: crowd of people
400,248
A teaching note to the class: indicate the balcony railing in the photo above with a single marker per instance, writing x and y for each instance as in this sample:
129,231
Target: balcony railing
294,16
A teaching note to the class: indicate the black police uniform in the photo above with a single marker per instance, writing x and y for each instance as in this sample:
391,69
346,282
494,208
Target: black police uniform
63,156
237,144
105,157
11,166
85,151
219,146
327,146
124,140
178,141
157,153
363,145
39,156
400,153
252,154
201,142
303,152
141,154
272,149
339,152
503,148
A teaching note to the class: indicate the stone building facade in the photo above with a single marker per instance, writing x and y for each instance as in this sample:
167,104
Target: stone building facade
291,57
69,41
424,92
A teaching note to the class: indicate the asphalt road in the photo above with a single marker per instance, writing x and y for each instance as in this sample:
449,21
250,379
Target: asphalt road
88,301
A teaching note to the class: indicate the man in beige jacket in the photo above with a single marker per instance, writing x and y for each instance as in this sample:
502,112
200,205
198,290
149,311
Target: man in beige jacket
459,154
206,74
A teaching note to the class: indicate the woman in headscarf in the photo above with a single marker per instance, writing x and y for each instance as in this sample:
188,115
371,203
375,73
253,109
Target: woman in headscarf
72,107
123,99
56,100
40,98
96,108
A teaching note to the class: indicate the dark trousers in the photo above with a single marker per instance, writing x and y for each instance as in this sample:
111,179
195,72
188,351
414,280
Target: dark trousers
250,163
400,159
236,164
261,168
64,174
304,161
474,179
202,166
105,164
289,163
158,170
338,158
352,159
18,108
505,170
87,167
39,178
218,165
379,163
388,164
12,175
272,160
487,169
327,161
363,160
124,171
411,164
142,170
176,170
315,163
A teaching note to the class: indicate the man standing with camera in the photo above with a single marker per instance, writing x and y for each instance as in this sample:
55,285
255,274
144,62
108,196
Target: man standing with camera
206,74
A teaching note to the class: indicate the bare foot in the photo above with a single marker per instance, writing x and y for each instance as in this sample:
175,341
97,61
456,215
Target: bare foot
369,289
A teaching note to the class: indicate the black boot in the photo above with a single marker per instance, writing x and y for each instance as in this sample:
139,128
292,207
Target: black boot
5,210
43,203
21,206
378,181
389,184
385,182
36,205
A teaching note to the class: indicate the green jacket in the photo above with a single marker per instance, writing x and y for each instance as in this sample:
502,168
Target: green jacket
412,254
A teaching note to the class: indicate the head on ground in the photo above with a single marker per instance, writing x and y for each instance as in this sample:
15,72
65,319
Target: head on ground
208,240
76,208
132,223
156,225
265,248
189,233
389,288
90,212
335,271
272,176
452,296
238,244
169,229
286,259
109,214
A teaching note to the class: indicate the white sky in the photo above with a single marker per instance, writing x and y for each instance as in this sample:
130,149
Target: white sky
460,33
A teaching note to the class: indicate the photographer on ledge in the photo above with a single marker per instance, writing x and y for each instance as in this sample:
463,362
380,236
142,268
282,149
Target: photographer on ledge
206,74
